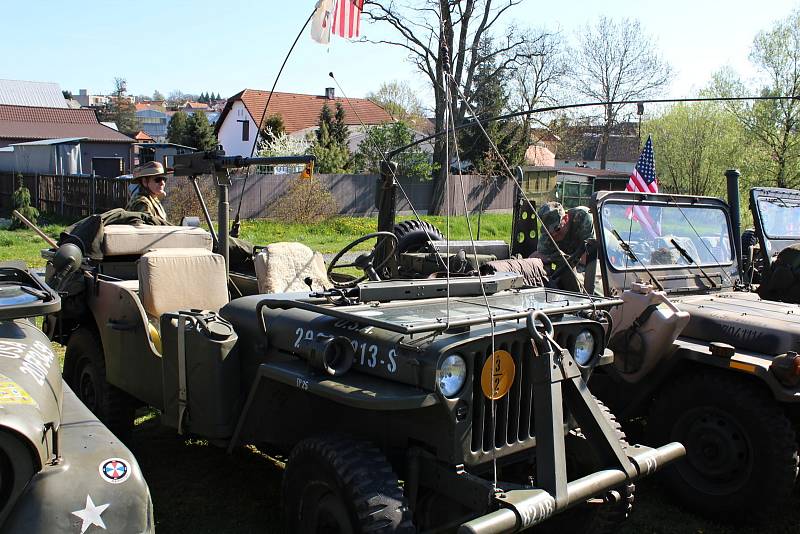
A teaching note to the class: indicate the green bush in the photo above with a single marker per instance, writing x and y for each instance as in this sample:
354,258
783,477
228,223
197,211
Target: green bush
22,203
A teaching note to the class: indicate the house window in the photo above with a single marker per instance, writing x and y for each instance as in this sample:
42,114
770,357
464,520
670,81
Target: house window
245,130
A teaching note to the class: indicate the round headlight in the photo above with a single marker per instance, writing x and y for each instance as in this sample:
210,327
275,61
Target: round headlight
584,347
451,375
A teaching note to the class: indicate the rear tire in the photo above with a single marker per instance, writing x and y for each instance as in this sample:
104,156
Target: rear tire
741,452
342,486
85,372
412,236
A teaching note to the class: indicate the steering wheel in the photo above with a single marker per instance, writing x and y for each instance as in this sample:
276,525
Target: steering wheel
364,261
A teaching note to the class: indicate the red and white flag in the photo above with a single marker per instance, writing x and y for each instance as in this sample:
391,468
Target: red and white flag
643,180
322,21
347,18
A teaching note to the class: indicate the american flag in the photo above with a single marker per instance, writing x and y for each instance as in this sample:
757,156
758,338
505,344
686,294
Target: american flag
347,18
643,179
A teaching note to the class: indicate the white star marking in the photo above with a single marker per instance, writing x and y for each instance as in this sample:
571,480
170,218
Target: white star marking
91,515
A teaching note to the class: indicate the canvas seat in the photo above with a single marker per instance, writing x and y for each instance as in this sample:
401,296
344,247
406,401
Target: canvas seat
282,268
129,239
174,279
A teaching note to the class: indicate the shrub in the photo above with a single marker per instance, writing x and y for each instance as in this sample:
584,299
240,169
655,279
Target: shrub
306,200
22,203
182,200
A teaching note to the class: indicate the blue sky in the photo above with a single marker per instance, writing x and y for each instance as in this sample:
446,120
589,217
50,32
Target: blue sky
225,46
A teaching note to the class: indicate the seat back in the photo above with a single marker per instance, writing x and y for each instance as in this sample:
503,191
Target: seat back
181,278
282,267
129,239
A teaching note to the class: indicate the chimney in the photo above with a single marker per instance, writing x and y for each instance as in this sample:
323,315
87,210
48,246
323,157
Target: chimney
330,93
82,92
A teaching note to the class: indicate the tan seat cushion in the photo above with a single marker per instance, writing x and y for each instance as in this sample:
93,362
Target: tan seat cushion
127,239
181,278
281,268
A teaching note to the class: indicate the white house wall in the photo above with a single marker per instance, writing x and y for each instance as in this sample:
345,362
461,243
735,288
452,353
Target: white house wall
230,132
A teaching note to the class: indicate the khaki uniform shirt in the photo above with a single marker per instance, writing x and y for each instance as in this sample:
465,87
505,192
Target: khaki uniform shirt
144,202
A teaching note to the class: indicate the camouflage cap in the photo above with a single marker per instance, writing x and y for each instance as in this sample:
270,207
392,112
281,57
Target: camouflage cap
551,214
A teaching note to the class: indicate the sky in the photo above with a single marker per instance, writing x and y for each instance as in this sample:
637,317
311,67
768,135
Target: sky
226,46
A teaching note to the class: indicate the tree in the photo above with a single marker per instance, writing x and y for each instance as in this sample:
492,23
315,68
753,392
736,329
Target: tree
400,101
199,133
383,138
694,145
442,38
329,141
273,126
120,110
177,128
157,95
772,125
22,203
67,94
616,61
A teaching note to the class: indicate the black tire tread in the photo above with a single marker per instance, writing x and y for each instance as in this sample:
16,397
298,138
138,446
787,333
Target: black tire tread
782,444
411,234
368,480
116,408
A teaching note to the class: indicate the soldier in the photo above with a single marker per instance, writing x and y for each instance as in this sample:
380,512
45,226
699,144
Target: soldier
151,179
569,229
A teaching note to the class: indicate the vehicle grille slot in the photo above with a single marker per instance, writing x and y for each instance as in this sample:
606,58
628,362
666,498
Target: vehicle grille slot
512,420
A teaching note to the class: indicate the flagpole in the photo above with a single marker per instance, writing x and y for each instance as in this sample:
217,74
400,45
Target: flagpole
235,227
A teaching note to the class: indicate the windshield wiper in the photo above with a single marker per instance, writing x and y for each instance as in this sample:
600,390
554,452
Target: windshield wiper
688,258
632,255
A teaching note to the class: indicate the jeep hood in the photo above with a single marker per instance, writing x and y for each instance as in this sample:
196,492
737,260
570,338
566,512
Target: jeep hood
743,320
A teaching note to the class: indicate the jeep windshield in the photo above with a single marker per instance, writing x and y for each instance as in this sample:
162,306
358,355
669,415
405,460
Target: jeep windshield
780,217
665,236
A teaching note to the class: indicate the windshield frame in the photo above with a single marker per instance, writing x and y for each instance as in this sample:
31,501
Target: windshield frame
674,277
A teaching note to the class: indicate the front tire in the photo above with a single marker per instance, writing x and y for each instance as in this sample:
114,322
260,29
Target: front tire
85,372
342,486
741,451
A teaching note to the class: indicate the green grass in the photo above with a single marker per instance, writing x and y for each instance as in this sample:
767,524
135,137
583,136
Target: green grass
326,237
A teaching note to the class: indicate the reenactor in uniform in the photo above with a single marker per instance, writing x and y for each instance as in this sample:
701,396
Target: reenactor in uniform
151,179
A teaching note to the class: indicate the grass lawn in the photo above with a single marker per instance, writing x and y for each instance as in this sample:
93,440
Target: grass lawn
325,237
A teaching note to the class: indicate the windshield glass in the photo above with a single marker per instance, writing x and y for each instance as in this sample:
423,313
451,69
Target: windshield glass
701,232
780,217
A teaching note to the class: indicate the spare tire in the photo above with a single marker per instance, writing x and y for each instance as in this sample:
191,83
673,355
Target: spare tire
413,235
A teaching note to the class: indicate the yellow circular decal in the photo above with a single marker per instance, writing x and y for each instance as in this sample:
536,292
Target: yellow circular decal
498,375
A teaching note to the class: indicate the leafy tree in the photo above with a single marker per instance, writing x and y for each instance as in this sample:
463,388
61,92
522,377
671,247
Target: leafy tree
22,203
381,139
694,145
157,95
616,60
772,125
120,110
67,94
489,98
199,133
177,128
401,102
273,126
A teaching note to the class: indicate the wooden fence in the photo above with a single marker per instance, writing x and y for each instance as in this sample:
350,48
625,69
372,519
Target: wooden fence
78,196
72,197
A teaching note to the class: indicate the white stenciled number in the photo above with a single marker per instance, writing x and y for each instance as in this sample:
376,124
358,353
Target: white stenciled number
392,366
299,333
373,356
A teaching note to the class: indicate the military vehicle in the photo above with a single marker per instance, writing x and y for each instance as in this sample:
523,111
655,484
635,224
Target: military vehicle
401,404
728,387
776,220
61,470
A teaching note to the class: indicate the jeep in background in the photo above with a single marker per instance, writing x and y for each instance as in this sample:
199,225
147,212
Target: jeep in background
728,387
401,404
61,470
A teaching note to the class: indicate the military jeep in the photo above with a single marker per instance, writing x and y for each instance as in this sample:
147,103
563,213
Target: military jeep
402,405
728,387
61,470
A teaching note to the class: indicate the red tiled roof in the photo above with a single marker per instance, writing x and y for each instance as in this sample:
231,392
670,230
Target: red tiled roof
141,136
302,111
32,123
196,105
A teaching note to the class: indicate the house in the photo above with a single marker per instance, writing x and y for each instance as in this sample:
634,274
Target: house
574,186
161,152
25,93
49,156
153,121
581,148
103,150
239,123
90,101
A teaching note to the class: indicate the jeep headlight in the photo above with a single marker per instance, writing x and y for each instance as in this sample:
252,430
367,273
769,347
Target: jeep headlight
584,347
451,375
